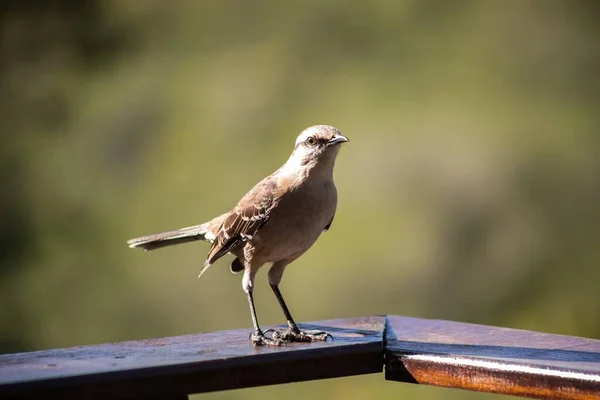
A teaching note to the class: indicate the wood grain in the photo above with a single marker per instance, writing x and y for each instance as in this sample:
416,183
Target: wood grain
177,366
491,359
442,353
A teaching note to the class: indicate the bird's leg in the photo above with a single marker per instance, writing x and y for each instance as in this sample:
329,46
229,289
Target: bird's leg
257,337
293,333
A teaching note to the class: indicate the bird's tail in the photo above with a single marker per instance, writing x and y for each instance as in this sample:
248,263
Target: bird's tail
164,239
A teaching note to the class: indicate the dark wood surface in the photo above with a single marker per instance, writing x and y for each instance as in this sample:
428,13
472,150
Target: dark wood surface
491,359
434,352
177,366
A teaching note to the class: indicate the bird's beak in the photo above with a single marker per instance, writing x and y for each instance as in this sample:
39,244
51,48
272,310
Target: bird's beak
337,139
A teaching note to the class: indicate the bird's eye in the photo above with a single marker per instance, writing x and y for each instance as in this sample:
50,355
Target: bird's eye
311,141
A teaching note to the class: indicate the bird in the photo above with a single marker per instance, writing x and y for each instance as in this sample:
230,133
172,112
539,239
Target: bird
275,223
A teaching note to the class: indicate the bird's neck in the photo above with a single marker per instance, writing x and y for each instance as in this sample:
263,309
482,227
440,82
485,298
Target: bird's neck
300,169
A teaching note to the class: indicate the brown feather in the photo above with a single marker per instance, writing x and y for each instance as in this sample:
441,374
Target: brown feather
247,218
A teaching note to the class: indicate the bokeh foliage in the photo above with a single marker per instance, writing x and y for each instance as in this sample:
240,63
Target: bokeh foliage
469,190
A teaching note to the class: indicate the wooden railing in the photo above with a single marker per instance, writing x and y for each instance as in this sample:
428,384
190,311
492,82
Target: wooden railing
433,352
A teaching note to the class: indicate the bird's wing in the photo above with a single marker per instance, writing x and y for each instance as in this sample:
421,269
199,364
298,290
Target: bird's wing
245,220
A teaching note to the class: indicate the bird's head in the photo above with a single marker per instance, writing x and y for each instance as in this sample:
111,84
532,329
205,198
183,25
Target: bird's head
317,145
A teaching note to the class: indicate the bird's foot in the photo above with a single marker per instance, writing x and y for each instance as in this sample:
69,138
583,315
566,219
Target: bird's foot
296,335
259,339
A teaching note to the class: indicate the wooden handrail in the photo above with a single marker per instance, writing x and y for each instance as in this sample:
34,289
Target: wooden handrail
491,359
441,353
177,366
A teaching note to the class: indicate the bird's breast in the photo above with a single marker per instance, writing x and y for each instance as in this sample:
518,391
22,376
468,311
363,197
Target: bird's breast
296,223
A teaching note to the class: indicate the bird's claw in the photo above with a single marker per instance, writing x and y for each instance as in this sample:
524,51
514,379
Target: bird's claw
296,335
270,330
259,339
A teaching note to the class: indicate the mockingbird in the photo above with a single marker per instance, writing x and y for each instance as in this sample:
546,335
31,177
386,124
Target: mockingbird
275,222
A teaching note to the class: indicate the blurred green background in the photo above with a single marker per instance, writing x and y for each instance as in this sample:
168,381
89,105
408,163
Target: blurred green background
470,189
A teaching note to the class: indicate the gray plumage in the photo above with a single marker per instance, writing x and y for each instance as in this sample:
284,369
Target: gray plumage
277,221
170,238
